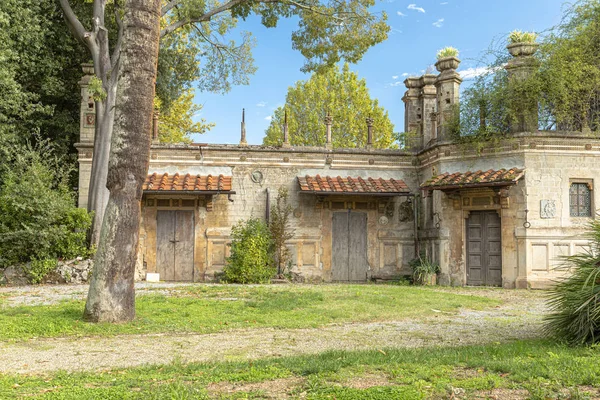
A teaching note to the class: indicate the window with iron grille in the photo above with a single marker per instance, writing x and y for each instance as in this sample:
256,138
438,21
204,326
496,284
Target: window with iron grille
580,200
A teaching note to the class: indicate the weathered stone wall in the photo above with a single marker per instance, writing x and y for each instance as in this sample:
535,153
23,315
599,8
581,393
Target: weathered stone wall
257,171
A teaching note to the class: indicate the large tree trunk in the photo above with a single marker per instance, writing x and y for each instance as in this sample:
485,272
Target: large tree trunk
111,297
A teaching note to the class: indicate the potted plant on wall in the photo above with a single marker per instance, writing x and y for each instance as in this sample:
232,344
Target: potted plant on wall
424,271
522,43
447,58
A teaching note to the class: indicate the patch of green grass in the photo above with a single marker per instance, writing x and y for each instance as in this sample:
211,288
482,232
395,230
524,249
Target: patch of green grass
207,309
541,367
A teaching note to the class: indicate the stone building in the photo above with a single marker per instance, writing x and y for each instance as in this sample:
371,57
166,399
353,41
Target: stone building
502,216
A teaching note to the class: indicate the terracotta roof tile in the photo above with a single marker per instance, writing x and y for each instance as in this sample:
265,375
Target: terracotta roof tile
501,177
196,183
329,185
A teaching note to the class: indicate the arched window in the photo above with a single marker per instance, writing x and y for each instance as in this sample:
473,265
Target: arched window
580,200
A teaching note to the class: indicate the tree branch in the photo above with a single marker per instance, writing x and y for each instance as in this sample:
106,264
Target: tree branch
73,22
167,7
206,17
117,50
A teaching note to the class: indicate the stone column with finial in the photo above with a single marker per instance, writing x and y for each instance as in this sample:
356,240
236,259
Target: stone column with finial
155,117
243,141
519,69
87,118
286,138
412,110
448,88
328,122
370,133
427,106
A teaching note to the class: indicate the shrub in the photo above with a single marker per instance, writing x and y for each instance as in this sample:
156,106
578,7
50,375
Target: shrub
447,52
574,301
423,269
251,259
522,37
39,222
280,229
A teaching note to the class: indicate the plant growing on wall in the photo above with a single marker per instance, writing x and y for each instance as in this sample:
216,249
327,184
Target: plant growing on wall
251,259
522,37
575,301
279,225
447,52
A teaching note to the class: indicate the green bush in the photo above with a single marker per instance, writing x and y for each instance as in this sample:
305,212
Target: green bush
39,222
251,259
447,52
423,269
575,300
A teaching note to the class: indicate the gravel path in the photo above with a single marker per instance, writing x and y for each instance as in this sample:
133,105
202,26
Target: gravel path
518,317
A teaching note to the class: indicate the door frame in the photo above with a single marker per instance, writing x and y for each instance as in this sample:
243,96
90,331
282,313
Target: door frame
466,214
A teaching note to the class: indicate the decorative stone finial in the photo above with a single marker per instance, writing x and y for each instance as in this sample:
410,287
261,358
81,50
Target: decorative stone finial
328,122
286,138
370,132
243,141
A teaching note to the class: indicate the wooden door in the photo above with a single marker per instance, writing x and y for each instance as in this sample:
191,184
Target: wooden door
484,249
175,245
349,247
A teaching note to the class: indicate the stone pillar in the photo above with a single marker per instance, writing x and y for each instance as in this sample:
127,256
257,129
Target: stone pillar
243,141
411,105
427,107
286,137
519,69
328,122
155,139
87,115
447,87
370,133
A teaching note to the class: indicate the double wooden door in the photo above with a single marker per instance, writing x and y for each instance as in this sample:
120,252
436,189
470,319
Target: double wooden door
484,249
349,246
175,245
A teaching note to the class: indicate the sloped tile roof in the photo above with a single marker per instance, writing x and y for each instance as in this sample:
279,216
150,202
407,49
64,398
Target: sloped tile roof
188,182
338,185
501,177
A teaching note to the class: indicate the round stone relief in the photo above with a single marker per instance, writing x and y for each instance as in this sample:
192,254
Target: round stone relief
256,176
298,212
383,220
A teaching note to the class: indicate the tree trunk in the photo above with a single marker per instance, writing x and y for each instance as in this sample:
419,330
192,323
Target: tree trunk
111,297
98,192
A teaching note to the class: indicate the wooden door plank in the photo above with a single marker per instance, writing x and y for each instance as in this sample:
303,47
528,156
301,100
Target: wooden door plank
339,247
475,245
165,235
357,259
493,249
184,246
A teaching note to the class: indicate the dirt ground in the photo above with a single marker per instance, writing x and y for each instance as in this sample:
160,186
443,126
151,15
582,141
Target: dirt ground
518,317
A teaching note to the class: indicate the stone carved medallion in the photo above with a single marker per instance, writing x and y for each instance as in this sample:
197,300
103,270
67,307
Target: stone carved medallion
383,220
547,209
256,176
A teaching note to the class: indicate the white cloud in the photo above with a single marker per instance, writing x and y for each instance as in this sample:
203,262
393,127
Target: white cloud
414,7
261,104
405,74
395,77
268,118
400,13
472,73
444,3
439,23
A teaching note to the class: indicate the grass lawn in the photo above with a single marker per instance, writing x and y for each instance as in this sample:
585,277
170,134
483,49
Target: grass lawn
213,308
525,369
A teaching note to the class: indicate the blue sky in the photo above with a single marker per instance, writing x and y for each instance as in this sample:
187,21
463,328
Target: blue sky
419,29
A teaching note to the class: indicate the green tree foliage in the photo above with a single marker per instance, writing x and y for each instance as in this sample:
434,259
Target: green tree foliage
346,98
177,124
251,259
279,225
39,70
565,82
38,218
575,301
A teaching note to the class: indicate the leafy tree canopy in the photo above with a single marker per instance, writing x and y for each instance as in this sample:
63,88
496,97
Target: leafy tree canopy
565,82
177,125
342,94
